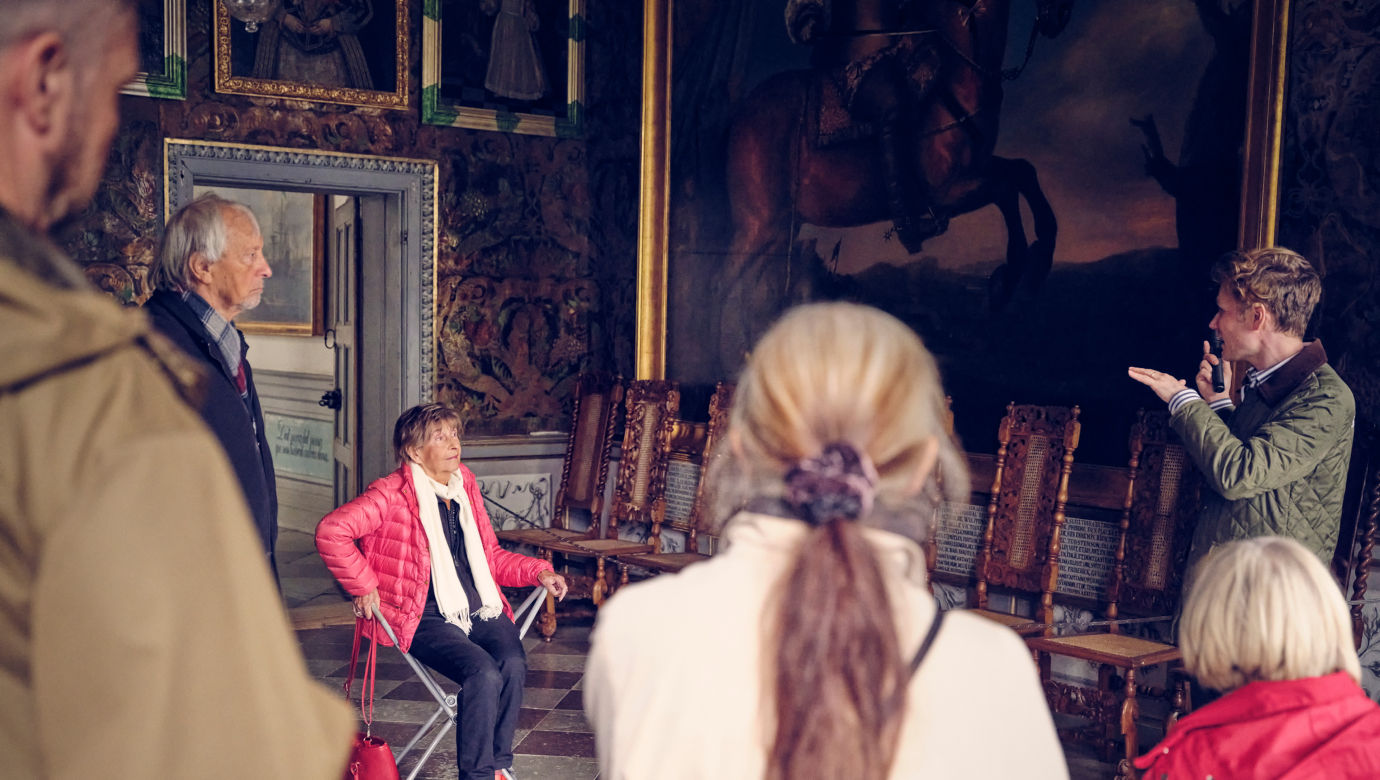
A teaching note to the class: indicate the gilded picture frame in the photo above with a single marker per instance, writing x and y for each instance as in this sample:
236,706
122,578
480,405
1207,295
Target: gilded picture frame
293,226
1264,124
1260,169
284,57
538,88
1258,27
162,51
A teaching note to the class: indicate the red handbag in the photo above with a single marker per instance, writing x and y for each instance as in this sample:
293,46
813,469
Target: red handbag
370,757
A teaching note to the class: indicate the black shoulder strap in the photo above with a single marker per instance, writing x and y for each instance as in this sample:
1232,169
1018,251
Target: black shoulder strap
927,641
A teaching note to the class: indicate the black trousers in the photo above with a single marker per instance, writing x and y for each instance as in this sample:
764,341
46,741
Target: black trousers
490,666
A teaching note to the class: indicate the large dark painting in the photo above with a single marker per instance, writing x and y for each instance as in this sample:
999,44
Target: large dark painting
1037,187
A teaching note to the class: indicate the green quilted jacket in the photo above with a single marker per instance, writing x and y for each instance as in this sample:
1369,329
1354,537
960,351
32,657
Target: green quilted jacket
1277,464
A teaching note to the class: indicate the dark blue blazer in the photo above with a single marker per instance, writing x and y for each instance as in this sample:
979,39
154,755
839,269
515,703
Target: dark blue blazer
239,427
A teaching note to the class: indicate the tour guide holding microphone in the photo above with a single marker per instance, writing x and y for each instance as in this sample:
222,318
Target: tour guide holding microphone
1275,459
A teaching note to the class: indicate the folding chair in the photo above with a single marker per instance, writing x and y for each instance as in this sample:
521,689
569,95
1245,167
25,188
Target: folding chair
447,703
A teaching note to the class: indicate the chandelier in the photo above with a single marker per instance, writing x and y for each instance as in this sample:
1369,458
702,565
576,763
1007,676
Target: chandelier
251,12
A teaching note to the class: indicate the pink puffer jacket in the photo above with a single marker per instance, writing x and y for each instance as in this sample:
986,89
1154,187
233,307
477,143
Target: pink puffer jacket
393,556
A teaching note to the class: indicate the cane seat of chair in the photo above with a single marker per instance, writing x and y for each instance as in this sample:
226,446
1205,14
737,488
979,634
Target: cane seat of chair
1020,624
588,450
1147,575
659,561
1120,650
663,562
1025,515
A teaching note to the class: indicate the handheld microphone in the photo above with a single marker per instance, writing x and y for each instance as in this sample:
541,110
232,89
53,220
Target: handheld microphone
1219,384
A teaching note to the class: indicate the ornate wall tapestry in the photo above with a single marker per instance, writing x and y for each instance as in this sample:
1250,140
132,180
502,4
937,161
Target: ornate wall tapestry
1329,196
536,255
1330,181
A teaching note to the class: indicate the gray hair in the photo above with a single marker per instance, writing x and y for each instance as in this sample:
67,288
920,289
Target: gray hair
1265,609
77,21
196,228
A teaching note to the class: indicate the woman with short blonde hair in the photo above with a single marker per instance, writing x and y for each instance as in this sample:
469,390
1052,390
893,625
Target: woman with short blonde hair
811,648
1266,624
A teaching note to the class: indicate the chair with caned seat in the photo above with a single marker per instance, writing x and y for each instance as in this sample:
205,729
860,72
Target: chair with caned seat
694,525
588,452
1146,580
653,407
1025,515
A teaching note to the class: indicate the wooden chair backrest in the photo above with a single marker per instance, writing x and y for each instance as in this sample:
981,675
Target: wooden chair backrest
1157,523
719,405
653,407
1354,556
932,535
588,451
1020,547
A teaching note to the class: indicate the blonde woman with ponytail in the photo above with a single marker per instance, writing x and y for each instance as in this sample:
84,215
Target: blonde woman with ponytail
810,647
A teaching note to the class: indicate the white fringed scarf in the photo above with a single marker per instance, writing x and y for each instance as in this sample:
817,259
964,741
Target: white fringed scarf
445,580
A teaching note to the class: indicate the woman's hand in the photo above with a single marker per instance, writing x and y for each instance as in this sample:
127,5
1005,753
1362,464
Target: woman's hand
366,604
553,582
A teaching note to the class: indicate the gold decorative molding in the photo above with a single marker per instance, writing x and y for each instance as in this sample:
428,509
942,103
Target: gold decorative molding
653,225
1260,160
228,83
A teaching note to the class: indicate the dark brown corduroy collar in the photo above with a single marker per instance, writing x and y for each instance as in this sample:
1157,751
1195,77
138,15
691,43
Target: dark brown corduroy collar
1282,382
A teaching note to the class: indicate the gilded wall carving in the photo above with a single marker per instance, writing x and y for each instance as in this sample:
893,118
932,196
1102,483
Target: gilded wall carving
536,236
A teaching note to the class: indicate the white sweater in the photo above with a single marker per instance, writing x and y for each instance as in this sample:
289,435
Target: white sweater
675,686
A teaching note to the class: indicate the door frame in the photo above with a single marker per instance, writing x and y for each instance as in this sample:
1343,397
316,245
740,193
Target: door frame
402,294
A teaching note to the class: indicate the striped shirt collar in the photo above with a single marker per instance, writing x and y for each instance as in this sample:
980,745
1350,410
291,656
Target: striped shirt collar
1254,378
225,335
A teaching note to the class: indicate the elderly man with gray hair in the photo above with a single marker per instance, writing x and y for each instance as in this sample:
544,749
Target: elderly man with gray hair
211,268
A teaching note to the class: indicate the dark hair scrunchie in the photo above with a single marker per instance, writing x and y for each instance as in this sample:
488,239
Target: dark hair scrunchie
839,483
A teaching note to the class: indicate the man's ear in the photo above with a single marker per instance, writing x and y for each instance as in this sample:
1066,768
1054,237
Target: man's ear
44,85
1258,315
200,268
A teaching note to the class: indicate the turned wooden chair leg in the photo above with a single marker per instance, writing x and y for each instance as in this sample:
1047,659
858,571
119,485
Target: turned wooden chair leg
547,624
1130,712
1180,703
600,583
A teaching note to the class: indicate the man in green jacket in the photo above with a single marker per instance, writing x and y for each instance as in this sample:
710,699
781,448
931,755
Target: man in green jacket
1274,459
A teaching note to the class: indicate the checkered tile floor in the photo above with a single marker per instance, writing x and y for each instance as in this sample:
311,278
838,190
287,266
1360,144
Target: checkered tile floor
553,741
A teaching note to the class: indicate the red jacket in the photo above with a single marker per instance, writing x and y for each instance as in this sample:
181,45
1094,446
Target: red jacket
1317,727
393,556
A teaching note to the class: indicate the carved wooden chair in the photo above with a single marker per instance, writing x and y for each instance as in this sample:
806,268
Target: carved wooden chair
1146,579
1352,561
586,468
932,538
695,523
653,407
1025,516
